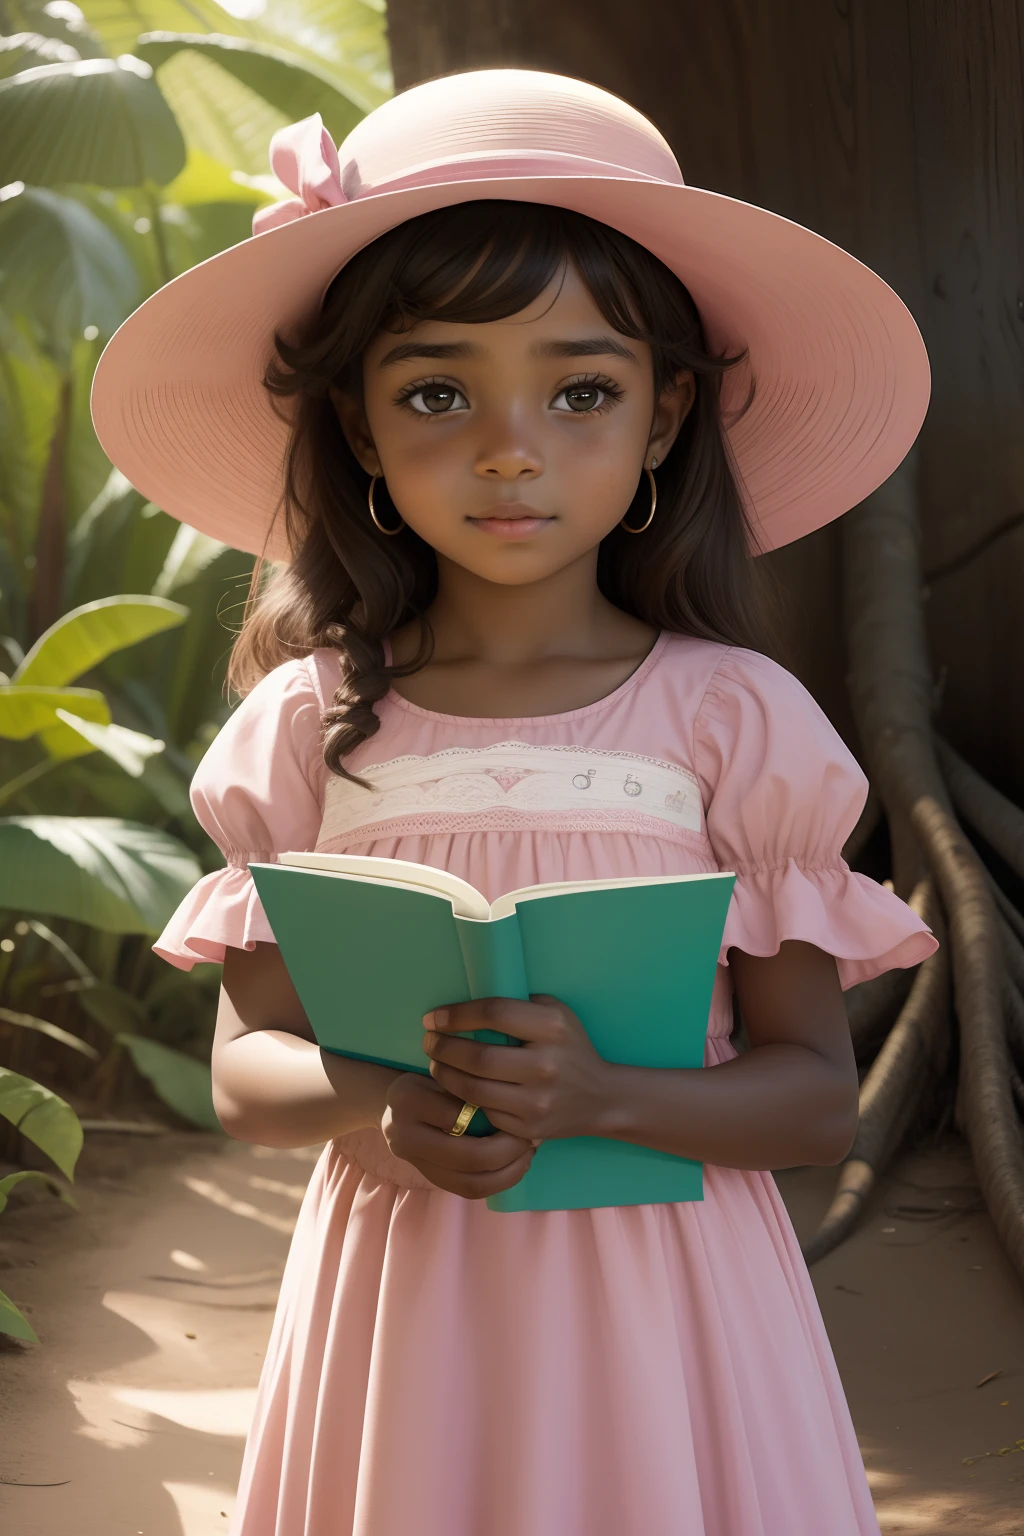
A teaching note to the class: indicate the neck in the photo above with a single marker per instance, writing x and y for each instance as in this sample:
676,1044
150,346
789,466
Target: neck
505,625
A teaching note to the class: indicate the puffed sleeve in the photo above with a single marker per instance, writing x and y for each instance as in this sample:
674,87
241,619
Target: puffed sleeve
257,793
782,795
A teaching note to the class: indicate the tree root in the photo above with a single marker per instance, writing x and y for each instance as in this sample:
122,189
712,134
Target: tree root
872,1007
894,1092
864,831
1013,953
1000,822
891,693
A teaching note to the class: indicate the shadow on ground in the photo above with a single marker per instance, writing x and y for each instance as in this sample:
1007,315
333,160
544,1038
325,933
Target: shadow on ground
154,1304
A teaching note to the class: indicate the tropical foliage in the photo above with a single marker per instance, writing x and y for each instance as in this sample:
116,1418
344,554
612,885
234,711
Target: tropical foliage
133,144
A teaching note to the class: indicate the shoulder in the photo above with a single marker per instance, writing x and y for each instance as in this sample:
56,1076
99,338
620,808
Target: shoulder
747,678
760,730
707,680
279,718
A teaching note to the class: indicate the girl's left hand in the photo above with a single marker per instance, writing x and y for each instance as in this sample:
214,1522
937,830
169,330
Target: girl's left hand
554,1084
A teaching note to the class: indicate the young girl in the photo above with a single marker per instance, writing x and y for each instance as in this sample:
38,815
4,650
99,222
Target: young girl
532,404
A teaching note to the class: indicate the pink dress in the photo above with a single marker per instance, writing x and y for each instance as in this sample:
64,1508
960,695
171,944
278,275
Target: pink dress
437,1369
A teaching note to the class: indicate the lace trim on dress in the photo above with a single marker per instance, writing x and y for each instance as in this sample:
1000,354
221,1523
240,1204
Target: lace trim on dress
510,785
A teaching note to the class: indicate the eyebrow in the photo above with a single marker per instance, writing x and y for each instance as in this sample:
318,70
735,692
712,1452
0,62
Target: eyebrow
583,346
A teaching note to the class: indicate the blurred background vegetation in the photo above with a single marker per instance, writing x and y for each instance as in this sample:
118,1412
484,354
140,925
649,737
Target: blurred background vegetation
134,140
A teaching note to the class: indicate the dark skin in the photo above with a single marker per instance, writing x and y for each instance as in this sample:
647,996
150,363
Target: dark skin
544,421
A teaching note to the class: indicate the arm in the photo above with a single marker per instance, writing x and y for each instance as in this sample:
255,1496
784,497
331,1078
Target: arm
273,1085
792,1099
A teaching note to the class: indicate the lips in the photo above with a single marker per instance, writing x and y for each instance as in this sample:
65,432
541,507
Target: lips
514,520
510,512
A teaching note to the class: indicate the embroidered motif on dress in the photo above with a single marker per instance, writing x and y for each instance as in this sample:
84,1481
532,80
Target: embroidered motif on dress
516,784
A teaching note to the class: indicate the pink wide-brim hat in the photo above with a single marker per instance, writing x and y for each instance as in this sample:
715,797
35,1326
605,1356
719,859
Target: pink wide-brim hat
840,372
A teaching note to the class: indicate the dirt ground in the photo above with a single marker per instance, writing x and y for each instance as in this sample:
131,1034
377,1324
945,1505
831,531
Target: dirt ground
153,1304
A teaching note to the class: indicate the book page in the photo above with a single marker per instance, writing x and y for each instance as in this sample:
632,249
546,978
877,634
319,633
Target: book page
466,900
505,905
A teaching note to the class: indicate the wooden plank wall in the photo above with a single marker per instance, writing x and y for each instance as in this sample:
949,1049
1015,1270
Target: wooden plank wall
896,128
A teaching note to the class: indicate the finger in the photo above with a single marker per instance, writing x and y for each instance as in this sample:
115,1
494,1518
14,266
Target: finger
477,1186
507,1015
482,1091
425,1101
501,1063
470,1154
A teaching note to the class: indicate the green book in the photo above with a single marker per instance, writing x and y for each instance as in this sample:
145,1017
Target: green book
371,945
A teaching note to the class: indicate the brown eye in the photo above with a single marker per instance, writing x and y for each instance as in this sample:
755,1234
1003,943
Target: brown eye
582,397
435,399
586,396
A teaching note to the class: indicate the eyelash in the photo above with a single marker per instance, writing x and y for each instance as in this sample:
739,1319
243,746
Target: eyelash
608,387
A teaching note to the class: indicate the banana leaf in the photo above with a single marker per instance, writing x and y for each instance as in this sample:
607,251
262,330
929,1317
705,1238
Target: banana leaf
62,268
83,638
119,876
133,136
42,1116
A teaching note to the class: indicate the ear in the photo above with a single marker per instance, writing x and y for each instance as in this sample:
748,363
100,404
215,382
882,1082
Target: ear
673,406
352,417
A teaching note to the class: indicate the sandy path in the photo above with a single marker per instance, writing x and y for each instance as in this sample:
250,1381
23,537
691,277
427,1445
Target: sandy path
154,1304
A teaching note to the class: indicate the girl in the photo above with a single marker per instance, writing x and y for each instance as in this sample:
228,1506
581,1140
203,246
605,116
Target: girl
531,405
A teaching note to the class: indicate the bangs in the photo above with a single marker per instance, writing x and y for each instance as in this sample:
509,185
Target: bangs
483,261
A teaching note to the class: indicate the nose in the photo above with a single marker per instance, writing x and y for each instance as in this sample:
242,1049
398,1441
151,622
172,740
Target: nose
508,454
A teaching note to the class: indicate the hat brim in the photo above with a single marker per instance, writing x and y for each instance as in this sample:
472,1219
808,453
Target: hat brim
840,372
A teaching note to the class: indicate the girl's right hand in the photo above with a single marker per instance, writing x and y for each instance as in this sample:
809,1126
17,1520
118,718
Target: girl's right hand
416,1123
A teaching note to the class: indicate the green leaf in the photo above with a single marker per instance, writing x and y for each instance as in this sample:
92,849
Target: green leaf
132,136
218,113
52,1031
129,749
119,876
86,466
61,21
42,1116
180,1080
113,1009
86,636
294,89
205,180
25,711
63,268
29,401
188,557
345,39
196,233
32,1176
13,1323
27,50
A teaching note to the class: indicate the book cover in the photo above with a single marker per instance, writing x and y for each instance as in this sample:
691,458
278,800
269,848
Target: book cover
372,945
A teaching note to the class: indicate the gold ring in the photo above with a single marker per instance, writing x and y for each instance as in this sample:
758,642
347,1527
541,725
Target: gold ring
466,1114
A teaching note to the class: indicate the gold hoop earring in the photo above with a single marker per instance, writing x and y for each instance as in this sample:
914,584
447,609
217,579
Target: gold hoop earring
654,502
373,513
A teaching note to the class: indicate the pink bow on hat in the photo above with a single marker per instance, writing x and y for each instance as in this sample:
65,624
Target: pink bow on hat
302,156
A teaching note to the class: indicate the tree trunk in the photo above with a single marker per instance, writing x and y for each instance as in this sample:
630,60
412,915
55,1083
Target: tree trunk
894,128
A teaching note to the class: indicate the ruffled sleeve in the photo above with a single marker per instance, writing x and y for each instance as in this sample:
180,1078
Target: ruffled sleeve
782,795
258,793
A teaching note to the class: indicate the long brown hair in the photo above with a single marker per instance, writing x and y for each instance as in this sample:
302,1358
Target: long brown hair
349,588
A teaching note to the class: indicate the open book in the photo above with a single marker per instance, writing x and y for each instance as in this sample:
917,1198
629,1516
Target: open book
373,944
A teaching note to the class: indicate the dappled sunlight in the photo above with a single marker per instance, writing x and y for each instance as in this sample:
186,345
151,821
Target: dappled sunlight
201,1507
937,1514
276,1187
224,1411
165,1322
185,1260
217,1195
97,1411
122,1417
